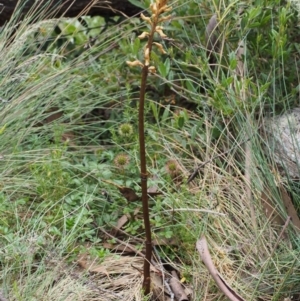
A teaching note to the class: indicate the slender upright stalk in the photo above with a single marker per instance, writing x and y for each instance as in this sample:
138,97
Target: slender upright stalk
144,175
144,178
157,8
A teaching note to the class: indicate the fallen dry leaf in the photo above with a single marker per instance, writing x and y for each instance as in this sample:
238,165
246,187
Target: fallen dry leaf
153,191
129,194
220,281
289,206
270,211
158,287
121,222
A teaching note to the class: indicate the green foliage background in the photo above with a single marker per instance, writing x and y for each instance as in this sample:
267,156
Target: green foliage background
66,92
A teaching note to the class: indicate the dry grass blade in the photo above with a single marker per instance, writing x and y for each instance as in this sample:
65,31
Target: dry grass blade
116,276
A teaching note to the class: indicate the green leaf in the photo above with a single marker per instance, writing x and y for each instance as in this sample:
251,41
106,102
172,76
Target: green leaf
194,132
162,69
153,106
254,13
254,24
138,4
87,221
70,29
166,113
171,76
167,65
168,234
189,85
136,46
106,174
233,60
180,122
152,134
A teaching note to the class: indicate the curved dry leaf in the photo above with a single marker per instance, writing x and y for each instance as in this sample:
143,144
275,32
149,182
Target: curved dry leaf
220,281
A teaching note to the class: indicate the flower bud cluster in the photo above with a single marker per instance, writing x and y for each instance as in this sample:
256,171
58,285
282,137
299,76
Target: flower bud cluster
157,8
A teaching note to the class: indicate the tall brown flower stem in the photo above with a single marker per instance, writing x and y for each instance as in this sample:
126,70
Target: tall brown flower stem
157,8
144,175
144,178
